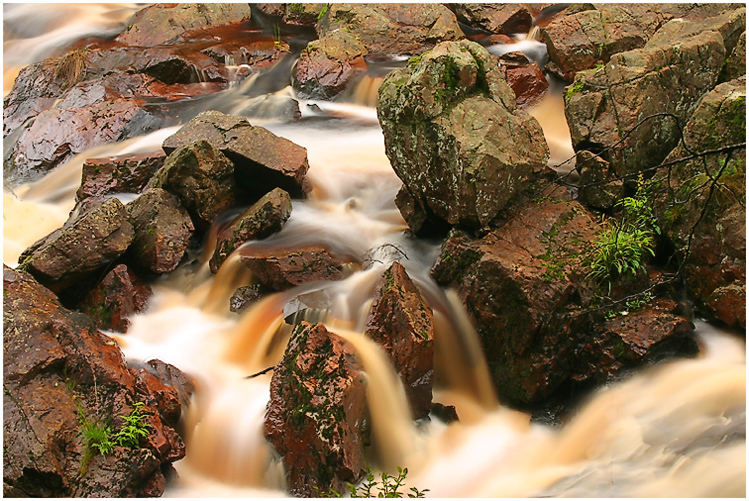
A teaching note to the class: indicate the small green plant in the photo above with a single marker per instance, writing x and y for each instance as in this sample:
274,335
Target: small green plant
388,486
134,428
276,36
96,437
323,11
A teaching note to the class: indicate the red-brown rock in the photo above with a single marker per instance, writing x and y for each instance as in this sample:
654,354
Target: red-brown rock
316,412
119,174
402,323
494,18
119,294
524,76
280,269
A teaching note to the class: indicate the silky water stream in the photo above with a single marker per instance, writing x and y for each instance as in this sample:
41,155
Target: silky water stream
677,429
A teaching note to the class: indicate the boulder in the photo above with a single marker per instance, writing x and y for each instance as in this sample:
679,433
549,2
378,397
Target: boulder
524,77
118,174
201,177
87,242
175,379
262,160
35,89
59,373
317,411
735,64
598,186
521,285
494,18
164,23
163,229
245,296
296,14
261,219
611,105
280,269
454,136
402,323
119,294
702,205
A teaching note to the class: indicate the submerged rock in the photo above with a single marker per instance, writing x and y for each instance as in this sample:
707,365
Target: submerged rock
120,174
281,269
401,322
245,296
455,137
261,219
60,372
119,294
316,413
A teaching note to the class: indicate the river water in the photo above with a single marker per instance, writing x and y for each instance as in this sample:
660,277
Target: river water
677,429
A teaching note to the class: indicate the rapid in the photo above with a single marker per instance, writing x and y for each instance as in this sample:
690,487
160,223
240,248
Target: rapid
674,429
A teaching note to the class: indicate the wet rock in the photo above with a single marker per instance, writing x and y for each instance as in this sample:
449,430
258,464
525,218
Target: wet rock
521,285
119,294
446,413
270,106
419,218
316,412
58,369
735,64
647,335
119,174
235,48
295,14
402,323
163,229
454,136
281,269
261,219
85,244
524,77
58,134
172,377
35,89
494,18
312,307
245,296
263,161
702,206
201,177
599,187
605,104
165,23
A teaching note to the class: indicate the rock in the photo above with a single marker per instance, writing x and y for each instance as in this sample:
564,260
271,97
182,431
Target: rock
455,137
58,134
316,412
261,219
605,104
119,294
163,229
494,18
446,413
312,307
164,23
262,160
583,39
647,335
707,217
735,64
85,244
201,177
302,14
35,89
281,269
119,174
402,323
524,77
520,285
598,187
58,370
245,296
174,378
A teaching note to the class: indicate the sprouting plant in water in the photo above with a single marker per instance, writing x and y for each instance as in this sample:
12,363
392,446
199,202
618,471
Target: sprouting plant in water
388,486
134,428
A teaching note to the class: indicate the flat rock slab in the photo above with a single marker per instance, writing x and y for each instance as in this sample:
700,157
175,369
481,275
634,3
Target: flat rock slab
280,269
119,174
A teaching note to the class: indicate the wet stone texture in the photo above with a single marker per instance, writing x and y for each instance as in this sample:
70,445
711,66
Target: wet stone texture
120,174
119,294
280,269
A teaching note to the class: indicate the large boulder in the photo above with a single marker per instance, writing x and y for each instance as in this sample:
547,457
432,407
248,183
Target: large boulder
165,23
613,105
402,323
262,160
702,209
119,174
35,89
59,375
455,138
316,413
163,229
494,17
261,219
119,294
280,269
735,64
201,177
87,242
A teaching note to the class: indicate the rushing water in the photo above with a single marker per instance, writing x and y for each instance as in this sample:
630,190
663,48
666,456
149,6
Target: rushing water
677,429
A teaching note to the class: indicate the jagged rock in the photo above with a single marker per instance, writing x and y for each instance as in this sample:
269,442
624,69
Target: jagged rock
85,244
446,413
58,369
598,186
261,219
402,323
316,412
710,215
494,18
454,136
120,174
735,64
162,231
245,296
524,77
262,160
605,104
295,14
35,89
119,294
281,269
201,177
520,285
165,23
176,380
